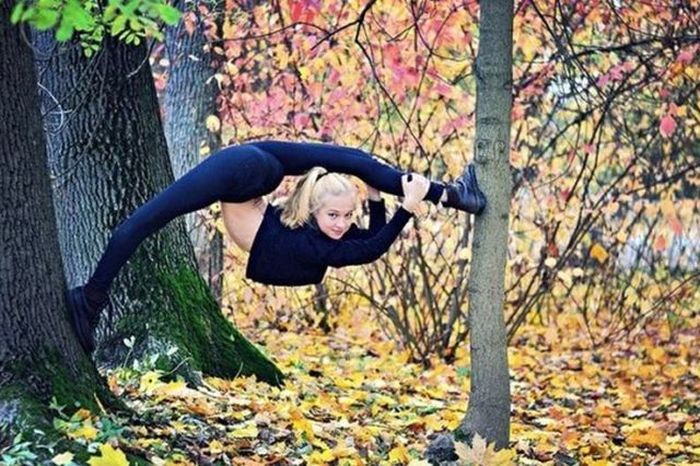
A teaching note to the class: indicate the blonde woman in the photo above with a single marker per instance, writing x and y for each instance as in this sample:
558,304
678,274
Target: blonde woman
291,245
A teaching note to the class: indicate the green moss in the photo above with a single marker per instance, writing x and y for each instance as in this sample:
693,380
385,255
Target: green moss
213,341
54,379
30,412
29,397
66,390
187,317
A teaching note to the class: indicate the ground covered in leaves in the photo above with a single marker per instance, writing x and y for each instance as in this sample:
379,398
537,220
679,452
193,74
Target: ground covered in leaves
353,398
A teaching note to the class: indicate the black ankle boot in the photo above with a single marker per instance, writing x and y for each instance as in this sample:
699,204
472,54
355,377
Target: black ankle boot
464,193
84,317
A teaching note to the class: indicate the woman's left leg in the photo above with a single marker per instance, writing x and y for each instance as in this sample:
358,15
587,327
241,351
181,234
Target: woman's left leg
234,174
299,157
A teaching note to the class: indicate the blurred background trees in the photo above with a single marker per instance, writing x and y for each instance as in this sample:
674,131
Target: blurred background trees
604,152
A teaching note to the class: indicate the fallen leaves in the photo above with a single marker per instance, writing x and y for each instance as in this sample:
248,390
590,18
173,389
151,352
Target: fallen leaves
481,454
632,402
109,457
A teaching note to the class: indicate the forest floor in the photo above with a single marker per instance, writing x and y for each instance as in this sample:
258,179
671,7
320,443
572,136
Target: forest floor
352,397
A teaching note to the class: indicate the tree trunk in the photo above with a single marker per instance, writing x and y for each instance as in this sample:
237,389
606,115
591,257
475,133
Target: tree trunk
488,413
109,156
190,97
39,354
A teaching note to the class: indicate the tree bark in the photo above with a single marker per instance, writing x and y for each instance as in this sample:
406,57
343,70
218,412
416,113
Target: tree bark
488,412
39,355
190,97
109,156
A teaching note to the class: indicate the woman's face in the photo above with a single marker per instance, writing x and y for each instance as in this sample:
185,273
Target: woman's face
335,215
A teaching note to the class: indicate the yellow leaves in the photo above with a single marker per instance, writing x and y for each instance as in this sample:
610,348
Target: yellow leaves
213,123
305,72
177,388
63,458
248,430
594,462
605,409
109,457
149,381
200,406
657,354
567,397
449,69
435,423
481,454
323,457
83,414
216,447
301,425
229,29
599,253
529,45
86,432
643,433
281,56
353,381
399,455
651,437
328,455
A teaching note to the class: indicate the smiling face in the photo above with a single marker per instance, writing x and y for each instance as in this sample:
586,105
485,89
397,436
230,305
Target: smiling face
335,215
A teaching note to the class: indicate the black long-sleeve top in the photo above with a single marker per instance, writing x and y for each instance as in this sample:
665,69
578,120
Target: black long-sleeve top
300,256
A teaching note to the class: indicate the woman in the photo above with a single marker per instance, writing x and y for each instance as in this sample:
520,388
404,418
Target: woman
238,176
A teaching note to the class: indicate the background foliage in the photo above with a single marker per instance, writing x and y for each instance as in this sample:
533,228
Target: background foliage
604,151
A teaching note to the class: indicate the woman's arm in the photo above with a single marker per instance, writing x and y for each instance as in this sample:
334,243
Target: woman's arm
364,250
377,220
377,210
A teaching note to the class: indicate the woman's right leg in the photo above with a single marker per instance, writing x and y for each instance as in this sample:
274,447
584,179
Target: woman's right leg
233,174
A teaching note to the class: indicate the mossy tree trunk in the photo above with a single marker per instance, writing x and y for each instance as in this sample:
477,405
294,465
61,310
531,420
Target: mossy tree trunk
488,413
190,97
108,154
39,355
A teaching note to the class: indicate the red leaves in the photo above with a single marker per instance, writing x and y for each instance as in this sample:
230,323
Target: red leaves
667,126
668,123
304,10
687,55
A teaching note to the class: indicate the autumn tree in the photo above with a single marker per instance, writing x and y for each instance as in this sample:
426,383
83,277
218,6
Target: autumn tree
488,413
108,155
189,103
40,357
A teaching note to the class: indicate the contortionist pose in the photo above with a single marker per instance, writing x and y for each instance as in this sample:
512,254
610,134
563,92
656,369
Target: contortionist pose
292,244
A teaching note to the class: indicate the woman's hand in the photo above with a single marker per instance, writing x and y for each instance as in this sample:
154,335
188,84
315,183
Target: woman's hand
414,190
373,194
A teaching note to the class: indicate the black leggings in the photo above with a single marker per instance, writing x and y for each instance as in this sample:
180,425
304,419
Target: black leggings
238,174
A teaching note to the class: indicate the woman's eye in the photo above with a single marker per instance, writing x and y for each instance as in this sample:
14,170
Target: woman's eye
332,215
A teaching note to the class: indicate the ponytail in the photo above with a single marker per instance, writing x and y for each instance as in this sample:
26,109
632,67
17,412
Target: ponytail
297,208
309,192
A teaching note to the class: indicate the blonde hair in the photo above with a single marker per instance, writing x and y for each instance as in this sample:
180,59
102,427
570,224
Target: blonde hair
309,193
